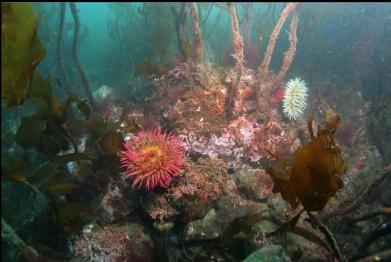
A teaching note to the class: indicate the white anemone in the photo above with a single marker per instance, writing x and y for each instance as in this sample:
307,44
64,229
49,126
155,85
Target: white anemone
295,98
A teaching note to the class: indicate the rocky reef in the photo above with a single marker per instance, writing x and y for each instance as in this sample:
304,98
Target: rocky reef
208,162
221,206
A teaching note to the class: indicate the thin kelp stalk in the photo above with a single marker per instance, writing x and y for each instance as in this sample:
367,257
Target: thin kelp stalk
316,223
9,235
382,229
237,39
291,226
212,29
67,83
249,22
381,256
198,54
264,68
207,15
238,55
75,55
222,6
363,197
69,137
289,55
180,24
368,215
264,81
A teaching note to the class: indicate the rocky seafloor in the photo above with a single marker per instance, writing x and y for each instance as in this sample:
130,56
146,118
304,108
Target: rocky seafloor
221,207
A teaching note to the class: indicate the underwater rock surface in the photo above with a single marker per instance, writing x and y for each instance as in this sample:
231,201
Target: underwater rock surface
127,243
271,253
256,167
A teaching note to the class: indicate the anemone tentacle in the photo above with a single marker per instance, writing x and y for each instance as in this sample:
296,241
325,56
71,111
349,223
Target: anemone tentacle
152,158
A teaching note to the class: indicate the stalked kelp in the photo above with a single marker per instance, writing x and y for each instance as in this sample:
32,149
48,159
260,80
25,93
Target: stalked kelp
21,51
311,177
41,150
184,43
149,69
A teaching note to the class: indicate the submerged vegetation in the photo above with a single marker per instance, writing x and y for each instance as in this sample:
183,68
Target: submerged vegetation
311,178
185,100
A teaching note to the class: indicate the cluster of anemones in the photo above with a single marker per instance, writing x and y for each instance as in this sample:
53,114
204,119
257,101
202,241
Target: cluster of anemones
152,158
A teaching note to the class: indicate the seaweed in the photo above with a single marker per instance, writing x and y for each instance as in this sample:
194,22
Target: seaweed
75,55
148,68
184,44
311,178
35,169
21,51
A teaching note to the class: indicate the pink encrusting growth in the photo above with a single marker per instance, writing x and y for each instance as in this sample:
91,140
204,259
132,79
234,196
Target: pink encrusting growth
152,158
279,95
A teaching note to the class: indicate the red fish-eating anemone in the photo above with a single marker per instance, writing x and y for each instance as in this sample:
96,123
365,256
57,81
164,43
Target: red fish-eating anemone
152,158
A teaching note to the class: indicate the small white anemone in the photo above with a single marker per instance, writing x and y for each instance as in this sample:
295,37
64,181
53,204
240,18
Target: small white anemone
295,98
